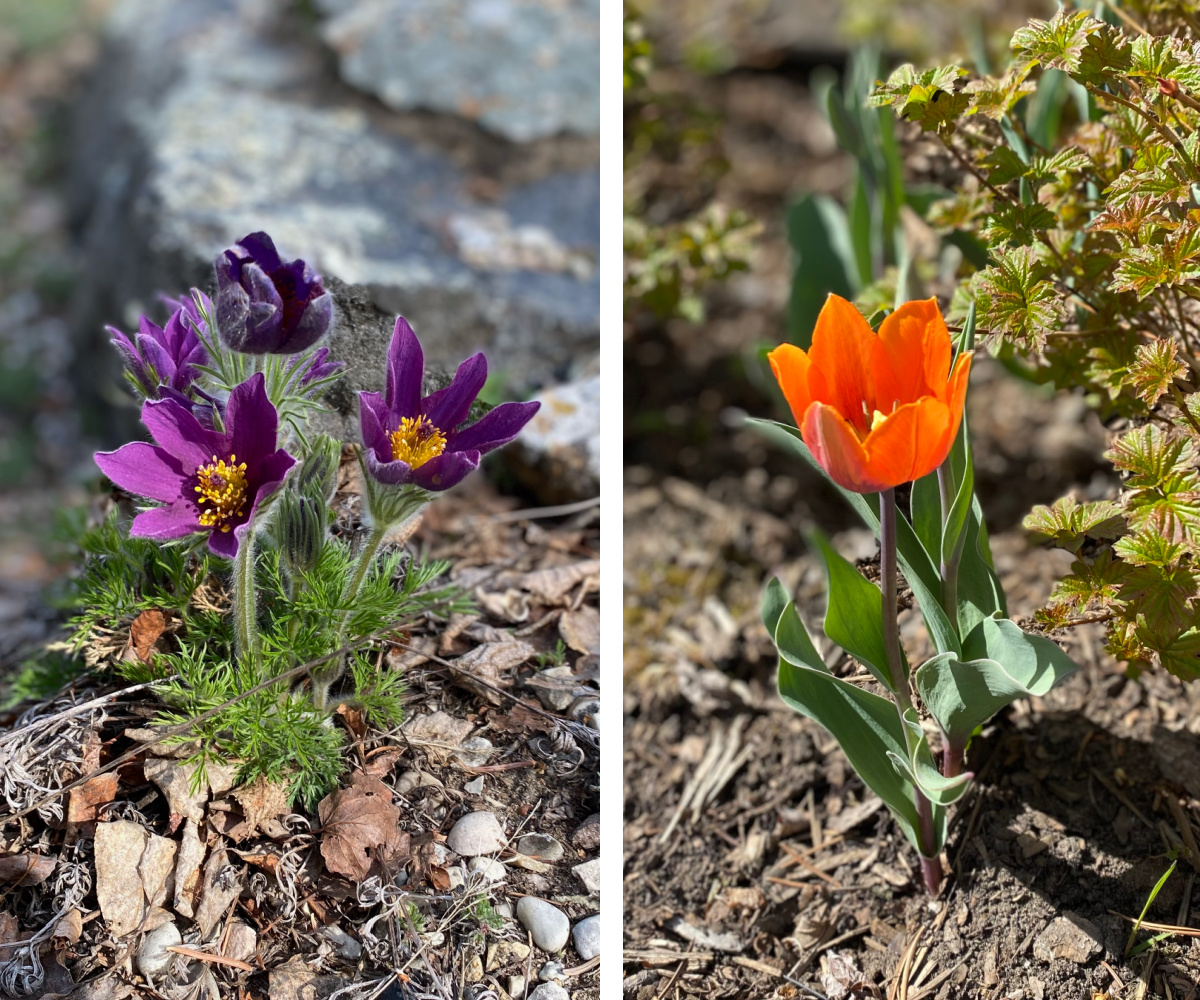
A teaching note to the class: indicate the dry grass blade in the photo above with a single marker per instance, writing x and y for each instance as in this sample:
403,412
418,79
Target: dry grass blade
808,866
205,956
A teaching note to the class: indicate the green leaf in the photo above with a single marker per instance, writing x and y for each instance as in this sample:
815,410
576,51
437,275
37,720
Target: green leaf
820,238
854,617
1001,663
925,504
919,570
1182,655
1004,165
865,725
920,770
1017,225
1155,370
1013,298
1066,522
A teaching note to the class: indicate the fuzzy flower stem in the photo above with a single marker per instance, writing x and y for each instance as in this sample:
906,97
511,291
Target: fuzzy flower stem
245,599
930,865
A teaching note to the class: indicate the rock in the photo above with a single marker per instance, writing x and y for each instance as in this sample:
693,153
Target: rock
455,874
541,846
153,959
522,68
505,910
589,874
547,924
209,119
346,946
558,453
474,752
556,687
489,868
474,970
474,786
549,991
407,782
586,935
1069,937
551,972
587,835
516,986
501,953
294,980
243,941
476,833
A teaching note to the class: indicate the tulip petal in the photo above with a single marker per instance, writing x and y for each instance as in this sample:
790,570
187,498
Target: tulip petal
840,373
909,443
956,395
838,450
405,372
448,407
144,470
911,356
173,521
791,365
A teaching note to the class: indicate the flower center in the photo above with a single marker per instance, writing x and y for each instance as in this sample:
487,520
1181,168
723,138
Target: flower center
222,489
416,441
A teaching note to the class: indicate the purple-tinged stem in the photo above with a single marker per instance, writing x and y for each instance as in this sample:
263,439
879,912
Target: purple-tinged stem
931,868
952,757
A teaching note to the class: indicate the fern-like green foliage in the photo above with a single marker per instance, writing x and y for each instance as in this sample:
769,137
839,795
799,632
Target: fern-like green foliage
1081,161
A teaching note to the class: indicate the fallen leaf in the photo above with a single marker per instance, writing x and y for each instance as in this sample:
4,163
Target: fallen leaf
360,829
145,631
176,781
439,878
90,757
382,761
25,869
490,663
522,718
9,931
455,627
511,605
438,733
580,629
296,981
262,802
66,932
85,801
353,718
221,889
120,847
187,870
552,584
839,974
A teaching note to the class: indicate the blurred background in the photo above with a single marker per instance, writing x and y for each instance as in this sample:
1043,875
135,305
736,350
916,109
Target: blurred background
436,159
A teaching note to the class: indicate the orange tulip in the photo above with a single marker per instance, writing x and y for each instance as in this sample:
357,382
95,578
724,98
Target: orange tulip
875,410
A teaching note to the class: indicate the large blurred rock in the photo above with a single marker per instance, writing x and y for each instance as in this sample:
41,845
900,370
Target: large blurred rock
557,456
523,68
209,119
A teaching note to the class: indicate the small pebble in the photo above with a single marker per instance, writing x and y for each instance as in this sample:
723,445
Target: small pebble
549,991
489,868
153,959
474,970
537,883
476,833
474,752
242,941
345,945
589,874
516,985
501,953
555,695
551,972
474,786
547,924
457,881
586,935
407,781
587,834
505,910
541,846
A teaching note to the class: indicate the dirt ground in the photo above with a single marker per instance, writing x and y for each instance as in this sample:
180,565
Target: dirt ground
756,864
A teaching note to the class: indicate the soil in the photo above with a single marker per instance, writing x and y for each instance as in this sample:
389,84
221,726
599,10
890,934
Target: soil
785,879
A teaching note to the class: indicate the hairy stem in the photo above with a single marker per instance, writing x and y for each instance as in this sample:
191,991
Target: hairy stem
245,599
366,557
931,868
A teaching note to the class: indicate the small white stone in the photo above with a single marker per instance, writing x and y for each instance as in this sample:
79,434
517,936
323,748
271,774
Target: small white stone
586,935
548,925
153,959
489,868
407,782
474,752
589,874
541,846
516,985
474,786
549,991
345,945
587,834
476,833
551,972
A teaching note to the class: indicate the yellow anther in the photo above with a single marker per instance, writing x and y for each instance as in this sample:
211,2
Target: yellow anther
878,419
416,441
222,488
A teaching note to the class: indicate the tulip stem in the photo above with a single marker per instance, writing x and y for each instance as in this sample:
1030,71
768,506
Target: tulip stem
245,602
931,868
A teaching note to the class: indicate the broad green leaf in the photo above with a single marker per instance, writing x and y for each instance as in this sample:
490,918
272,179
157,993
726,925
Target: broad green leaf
866,726
925,504
820,238
919,570
1066,522
1001,663
919,768
1014,298
854,616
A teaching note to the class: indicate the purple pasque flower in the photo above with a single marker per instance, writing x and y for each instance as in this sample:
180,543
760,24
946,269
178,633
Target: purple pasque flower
209,481
266,305
414,440
301,371
165,357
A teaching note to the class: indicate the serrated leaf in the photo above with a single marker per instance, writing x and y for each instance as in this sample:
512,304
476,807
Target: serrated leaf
1067,522
1149,548
1073,41
1182,655
899,86
1017,225
1004,165
1154,370
1014,299
1150,456
995,97
1090,583
933,108
1160,598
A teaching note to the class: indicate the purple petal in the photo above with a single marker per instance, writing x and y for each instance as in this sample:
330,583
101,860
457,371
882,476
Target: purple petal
157,356
448,469
271,472
314,324
448,407
393,473
144,470
372,412
178,432
406,370
498,427
262,250
225,543
233,310
174,521
251,421
129,354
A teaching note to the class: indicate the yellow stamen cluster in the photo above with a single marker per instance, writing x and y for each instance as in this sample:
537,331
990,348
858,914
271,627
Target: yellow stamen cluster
416,441
223,492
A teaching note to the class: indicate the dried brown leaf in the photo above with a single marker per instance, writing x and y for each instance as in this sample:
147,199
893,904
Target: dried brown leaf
360,829
145,632
522,718
552,585
25,869
439,878
262,802
490,664
353,717
66,932
85,800
382,761
580,629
